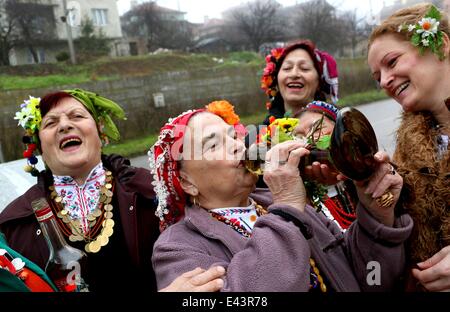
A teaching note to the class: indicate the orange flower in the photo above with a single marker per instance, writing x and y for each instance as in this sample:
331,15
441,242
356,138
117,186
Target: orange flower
224,110
266,81
277,52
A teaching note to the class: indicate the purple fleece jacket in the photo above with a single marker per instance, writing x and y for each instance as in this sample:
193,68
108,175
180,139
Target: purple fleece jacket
276,257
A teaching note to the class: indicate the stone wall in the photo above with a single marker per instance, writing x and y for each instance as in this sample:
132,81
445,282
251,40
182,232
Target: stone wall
181,91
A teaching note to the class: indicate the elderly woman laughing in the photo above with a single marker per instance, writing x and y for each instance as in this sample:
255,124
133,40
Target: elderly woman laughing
88,192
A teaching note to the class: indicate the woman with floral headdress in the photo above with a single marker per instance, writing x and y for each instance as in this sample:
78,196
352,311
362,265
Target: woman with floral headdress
295,76
409,55
211,214
102,205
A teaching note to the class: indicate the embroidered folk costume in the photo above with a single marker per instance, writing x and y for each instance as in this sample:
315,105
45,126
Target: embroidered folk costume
111,215
85,210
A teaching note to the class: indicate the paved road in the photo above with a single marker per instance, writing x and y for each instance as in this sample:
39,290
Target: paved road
383,115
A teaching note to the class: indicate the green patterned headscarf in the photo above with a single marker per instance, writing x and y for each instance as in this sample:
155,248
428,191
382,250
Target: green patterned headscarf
102,109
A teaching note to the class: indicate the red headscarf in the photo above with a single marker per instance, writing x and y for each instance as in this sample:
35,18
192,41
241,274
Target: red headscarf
324,64
165,154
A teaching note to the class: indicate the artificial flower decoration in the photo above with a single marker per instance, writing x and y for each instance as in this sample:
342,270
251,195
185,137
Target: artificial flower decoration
30,116
426,33
268,75
30,119
224,110
279,130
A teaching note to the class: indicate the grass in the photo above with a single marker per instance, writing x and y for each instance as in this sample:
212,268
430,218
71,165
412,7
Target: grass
140,146
58,74
24,82
362,98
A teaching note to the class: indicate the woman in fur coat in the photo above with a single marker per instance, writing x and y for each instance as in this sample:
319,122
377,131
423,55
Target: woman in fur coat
409,55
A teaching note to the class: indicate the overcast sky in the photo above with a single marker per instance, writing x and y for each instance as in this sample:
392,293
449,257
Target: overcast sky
197,9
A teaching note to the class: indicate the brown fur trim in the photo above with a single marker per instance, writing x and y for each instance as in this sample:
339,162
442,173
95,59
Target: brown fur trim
428,203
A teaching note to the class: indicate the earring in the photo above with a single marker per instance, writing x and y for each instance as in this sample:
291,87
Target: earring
194,199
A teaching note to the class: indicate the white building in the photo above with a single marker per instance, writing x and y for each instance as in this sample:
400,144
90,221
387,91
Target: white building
103,14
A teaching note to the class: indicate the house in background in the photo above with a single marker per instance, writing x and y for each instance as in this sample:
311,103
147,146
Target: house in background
209,36
149,26
52,38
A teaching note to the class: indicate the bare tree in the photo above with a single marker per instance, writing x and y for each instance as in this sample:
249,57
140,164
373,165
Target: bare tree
259,21
175,35
144,21
317,20
355,29
31,23
8,37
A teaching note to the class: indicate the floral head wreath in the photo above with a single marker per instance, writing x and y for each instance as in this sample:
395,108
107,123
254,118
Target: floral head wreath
426,33
30,119
101,109
164,156
324,62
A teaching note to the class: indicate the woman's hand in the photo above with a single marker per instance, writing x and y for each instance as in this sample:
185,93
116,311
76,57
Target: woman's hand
385,178
434,273
282,176
198,280
322,174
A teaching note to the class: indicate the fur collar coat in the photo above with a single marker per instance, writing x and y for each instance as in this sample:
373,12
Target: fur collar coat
427,184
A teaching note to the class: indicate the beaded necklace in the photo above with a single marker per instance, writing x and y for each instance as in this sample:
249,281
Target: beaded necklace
316,280
100,220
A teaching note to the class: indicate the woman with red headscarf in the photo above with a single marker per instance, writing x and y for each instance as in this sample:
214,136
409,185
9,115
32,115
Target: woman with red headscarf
266,239
295,76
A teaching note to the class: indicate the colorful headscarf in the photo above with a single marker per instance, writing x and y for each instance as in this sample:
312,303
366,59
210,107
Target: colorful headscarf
329,110
165,154
324,63
101,109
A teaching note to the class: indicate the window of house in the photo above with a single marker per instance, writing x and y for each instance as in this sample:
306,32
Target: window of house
100,17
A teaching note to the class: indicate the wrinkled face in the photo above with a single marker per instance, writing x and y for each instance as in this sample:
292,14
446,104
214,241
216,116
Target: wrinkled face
212,155
69,139
406,76
306,121
298,80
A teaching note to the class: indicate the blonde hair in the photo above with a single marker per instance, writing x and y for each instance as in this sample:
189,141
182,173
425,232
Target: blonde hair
407,16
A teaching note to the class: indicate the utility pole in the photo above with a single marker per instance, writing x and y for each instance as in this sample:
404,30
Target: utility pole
69,32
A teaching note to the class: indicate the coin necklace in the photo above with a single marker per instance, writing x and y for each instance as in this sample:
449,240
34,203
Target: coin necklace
103,225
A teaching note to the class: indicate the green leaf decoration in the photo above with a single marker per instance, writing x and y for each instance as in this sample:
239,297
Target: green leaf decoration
324,142
434,13
282,137
415,39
